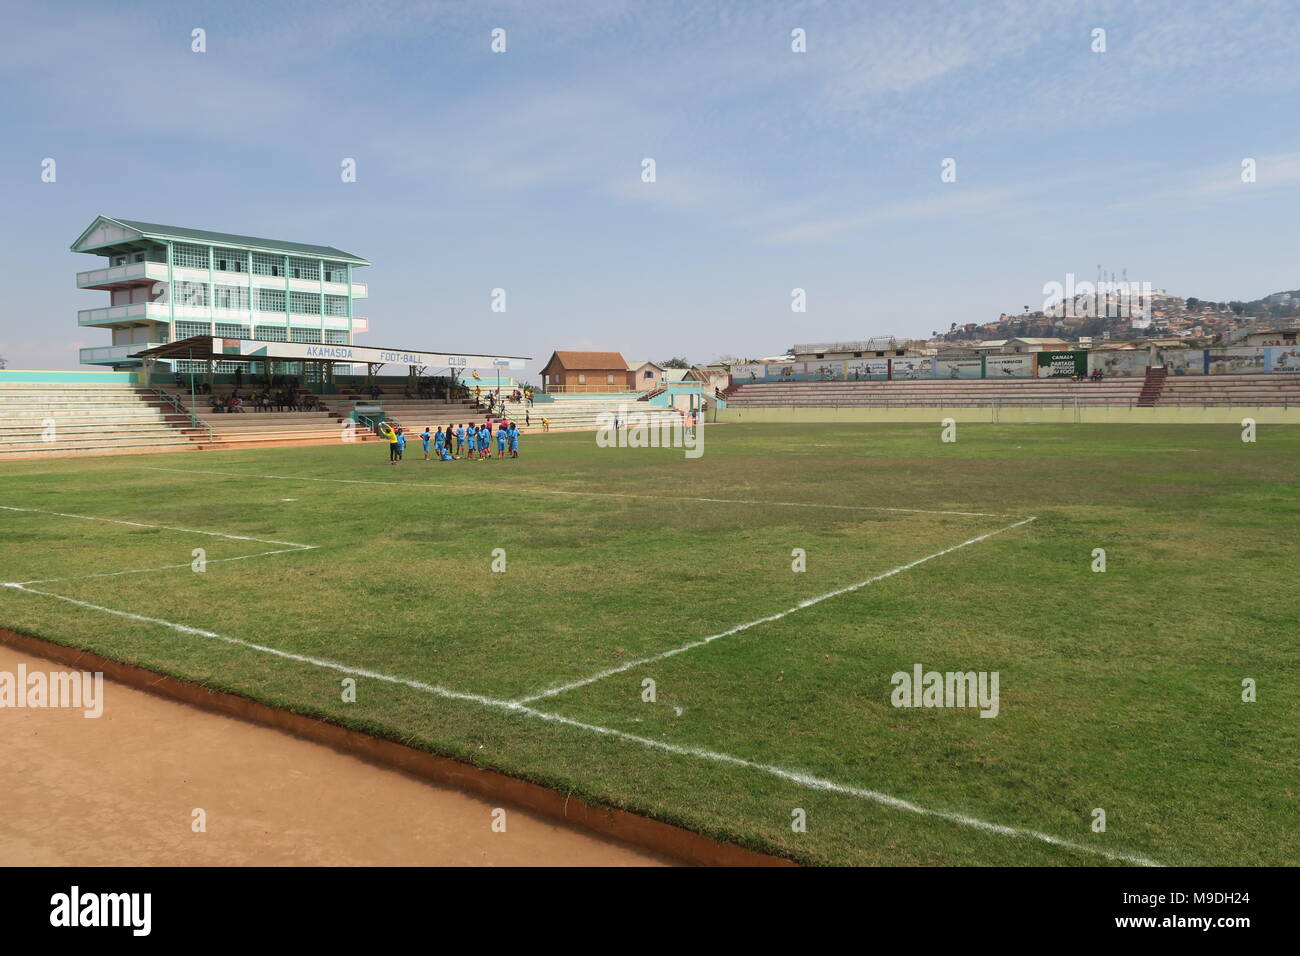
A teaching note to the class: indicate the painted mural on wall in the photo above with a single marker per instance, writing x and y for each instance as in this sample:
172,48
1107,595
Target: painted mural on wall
958,368
1235,360
1120,364
867,370
1283,359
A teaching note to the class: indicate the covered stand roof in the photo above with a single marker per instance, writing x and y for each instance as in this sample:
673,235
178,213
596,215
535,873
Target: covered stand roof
205,347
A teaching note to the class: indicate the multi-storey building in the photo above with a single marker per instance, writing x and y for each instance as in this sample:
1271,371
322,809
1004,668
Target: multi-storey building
168,283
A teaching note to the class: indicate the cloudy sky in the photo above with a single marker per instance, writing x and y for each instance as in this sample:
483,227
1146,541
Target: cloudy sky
775,169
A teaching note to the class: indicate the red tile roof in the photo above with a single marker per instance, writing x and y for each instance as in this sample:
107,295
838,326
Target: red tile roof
590,361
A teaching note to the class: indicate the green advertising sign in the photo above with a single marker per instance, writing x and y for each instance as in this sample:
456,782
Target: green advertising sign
1062,364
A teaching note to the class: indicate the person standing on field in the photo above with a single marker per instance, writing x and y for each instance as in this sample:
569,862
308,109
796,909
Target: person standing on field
387,433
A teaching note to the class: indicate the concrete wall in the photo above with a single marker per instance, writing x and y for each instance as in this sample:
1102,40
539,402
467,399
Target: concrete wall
28,376
1033,416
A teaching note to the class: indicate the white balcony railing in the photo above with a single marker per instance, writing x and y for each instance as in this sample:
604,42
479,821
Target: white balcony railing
132,270
123,313
106,354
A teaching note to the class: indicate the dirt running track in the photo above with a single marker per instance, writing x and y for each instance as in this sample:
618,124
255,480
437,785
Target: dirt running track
120,790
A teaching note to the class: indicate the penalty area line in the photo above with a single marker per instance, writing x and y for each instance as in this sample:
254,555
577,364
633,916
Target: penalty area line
290,548
792,776
160,527
553,691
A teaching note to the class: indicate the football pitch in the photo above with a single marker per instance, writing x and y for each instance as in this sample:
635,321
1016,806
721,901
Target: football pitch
716,642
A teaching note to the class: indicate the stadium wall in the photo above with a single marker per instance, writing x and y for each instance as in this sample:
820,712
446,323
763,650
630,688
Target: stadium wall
1085,414
67,378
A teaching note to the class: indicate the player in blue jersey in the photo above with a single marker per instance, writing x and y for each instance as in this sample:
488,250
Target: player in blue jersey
424,440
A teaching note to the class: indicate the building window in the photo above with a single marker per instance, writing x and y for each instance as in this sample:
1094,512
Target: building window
190,256
304,303
336,305
336,337
857,355
230,297
582,379
186,330
229,368
270,300
265,264
194,294
230,260
305,336
304,268
609,379
119,260
229,330
271,333
336,272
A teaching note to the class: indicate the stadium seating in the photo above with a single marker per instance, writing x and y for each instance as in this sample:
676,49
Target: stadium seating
413,413
251,428
1262,389
575,412
1256,390
87,419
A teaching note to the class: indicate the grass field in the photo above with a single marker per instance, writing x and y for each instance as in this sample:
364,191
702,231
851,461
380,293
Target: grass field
1119,690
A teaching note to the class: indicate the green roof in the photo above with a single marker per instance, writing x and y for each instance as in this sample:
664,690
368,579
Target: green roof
155,230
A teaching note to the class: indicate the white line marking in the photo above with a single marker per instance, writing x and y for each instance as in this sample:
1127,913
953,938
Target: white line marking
292,546
794,776
765,620
590,494
160,527
169,567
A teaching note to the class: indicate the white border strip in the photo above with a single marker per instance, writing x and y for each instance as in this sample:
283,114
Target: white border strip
589,494
765,620
793,776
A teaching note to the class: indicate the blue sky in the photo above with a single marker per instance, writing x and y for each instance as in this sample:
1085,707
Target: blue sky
775,169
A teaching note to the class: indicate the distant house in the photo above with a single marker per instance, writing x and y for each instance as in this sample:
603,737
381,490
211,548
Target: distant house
1270,337
644,376
585,372
1015,346
880,347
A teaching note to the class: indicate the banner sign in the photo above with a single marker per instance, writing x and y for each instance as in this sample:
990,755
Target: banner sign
1009,366
1062,364
299,351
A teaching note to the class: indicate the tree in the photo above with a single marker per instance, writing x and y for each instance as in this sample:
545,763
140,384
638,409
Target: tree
675,363
3,363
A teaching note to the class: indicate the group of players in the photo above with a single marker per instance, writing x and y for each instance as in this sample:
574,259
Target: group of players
466,441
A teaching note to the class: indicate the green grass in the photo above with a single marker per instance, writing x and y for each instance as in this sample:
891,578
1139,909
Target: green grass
1119,690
